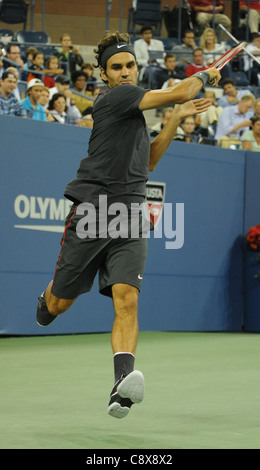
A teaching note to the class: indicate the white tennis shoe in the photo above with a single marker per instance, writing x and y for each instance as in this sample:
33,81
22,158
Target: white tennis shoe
127,391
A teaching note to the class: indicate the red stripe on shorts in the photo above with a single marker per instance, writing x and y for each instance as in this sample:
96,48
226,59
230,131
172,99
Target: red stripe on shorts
63,239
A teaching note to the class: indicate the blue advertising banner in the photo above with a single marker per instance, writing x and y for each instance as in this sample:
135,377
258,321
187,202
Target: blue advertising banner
193,277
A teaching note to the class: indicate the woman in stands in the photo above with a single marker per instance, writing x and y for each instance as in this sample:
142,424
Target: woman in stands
53,71
58,107
251,138
186,131
213,50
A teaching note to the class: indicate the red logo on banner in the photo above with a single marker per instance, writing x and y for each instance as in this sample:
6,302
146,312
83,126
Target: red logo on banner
155,196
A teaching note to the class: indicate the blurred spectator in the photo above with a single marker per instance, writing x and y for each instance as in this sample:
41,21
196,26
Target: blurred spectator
209,119
13,53
15,71
257,106
33,109
251,67
254,14
211,48
164,74
52,71
9,104
198,64
156,129
45,97
1,63
79,80
184,51
52,68
231,94
37,65
68,55
58,107
144,46
62,84
29,53
44,101
92,81
186,131
251,138
234,121
204,10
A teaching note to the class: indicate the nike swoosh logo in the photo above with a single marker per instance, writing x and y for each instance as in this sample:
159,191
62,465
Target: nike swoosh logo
123,45
139,276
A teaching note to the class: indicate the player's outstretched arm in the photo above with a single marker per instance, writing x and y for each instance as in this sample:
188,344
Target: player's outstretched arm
183,91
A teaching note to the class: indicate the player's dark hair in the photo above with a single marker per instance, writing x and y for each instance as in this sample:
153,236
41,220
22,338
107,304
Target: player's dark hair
108,40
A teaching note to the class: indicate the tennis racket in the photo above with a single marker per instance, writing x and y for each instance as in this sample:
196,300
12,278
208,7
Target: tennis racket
226,58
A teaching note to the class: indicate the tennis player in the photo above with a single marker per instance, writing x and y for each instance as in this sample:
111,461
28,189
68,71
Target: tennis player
120,156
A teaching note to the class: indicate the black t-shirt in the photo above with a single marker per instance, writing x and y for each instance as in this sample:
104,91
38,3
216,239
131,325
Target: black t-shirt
117,164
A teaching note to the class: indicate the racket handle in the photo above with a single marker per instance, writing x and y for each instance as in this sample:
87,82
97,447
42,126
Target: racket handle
212,81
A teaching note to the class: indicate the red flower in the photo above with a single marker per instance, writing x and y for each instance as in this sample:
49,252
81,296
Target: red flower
253,238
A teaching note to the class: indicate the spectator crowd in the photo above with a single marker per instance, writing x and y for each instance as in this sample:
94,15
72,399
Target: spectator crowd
62,88
57,88
234,105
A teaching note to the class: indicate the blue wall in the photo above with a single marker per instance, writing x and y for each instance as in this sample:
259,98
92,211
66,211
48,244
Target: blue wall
195,288
252,217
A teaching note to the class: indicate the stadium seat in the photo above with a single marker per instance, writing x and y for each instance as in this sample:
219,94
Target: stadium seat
6,36
37,37
14,12
146,12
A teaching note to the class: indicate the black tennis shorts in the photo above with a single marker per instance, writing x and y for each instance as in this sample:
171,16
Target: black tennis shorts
117,260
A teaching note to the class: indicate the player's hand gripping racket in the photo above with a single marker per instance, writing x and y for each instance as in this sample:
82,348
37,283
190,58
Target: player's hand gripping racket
226,58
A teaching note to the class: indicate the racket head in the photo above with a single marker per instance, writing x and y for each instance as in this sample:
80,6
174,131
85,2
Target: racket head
228,56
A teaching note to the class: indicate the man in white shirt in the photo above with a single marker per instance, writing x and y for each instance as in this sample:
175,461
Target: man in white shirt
232,95
144,46
235,120
184,51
